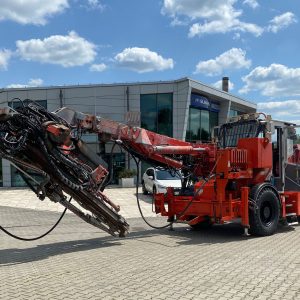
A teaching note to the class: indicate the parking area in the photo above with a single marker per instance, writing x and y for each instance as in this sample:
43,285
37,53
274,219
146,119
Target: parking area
77,261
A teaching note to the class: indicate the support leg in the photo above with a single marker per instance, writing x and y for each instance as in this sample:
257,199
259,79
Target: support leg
246,231
171,228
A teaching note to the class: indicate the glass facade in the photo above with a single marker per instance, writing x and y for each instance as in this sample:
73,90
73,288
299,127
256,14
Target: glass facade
118,164
157,113
200,124
16,178
213,120
18,181
15,104
234,113
203,117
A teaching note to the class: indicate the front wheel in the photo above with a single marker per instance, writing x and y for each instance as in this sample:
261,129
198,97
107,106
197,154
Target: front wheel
145,192
264,212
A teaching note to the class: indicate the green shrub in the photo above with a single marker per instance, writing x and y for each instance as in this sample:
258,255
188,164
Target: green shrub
127,173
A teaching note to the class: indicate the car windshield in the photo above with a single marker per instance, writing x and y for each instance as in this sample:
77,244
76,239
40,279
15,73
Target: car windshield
165,175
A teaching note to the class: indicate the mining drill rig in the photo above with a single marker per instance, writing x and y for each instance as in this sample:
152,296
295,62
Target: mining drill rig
249,173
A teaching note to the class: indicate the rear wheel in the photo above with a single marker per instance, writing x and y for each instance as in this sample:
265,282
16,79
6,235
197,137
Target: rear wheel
206,224
145,192
202,225
264,212
154,190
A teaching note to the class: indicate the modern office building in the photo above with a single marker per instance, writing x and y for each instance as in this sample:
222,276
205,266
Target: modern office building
184,109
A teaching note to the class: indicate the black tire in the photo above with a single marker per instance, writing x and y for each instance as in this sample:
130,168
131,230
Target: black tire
145,192
202,225
206,224
264,211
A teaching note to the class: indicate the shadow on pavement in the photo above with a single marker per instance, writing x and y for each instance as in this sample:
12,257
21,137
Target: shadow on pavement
24,255
145,198
39,252
181,236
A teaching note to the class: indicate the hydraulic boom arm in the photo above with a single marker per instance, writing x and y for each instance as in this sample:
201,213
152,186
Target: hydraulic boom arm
47,150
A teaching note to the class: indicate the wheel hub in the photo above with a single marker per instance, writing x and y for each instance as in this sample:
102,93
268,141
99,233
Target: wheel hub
267,212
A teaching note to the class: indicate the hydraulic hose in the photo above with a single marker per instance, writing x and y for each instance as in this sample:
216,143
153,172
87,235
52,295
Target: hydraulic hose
184,210
138,201
38,237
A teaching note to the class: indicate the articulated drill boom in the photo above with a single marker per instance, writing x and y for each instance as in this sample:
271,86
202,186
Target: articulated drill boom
242,174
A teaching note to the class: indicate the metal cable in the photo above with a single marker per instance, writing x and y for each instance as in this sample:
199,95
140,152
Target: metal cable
187,206
38,237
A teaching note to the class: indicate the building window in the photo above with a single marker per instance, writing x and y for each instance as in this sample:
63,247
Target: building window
193,131
16,178
18,181
234,113
201,124
213,121
16,103
118,164
203,117
157,113
205,130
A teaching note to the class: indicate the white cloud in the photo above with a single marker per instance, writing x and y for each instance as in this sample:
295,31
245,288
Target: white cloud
252,3
68,51
31,11
218,85
236,36
93,5
98,67
282,21
33,82
215,16
179,22
142,60
5,56
274,80
234,58
197,9
224,26
288,110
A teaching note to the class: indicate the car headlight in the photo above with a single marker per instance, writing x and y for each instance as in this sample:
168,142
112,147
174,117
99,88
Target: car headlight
161,186
176,191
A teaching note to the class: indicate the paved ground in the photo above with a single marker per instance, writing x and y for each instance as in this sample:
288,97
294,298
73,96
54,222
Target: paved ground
77,261
125,197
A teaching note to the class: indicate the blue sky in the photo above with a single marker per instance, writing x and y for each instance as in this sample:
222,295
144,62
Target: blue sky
256,43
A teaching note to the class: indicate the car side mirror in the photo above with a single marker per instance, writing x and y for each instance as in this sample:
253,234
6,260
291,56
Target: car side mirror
150,177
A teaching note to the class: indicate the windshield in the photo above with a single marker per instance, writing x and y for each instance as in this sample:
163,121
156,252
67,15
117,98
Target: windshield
165,175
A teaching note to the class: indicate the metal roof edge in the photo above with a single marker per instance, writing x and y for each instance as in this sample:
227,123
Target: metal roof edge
93,85
226,94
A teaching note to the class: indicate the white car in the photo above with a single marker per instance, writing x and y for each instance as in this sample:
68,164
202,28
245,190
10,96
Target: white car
157,180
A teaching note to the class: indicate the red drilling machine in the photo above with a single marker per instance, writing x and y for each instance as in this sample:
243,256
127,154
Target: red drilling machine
250,172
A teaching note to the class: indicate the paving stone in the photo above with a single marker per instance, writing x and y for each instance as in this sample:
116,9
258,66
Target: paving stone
78,261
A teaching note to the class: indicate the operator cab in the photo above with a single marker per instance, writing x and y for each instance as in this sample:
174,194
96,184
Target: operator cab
286,168
284,137
240,127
